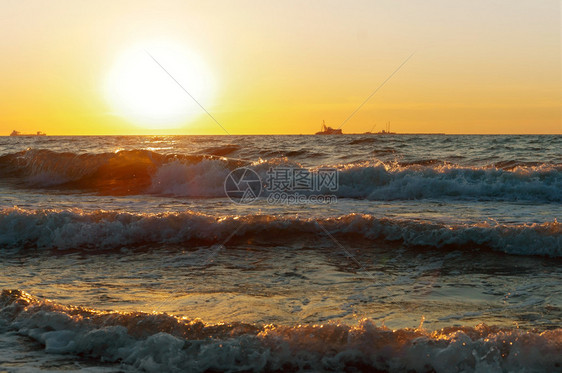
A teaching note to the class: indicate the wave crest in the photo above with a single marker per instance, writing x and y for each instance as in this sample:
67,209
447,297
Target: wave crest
435,179
160,342
146,172
71,229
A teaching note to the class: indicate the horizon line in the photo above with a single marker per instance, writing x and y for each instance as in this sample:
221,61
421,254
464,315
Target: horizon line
303,134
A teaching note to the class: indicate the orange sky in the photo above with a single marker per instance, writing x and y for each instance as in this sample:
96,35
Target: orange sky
283,67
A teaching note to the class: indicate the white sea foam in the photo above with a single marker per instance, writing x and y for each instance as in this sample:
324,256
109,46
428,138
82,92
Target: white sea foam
202,179
157,342
389,182
68,229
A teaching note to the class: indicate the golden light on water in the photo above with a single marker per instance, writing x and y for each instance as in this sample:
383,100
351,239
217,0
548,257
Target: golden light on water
146,85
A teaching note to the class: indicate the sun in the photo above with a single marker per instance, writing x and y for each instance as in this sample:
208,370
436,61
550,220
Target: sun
146,85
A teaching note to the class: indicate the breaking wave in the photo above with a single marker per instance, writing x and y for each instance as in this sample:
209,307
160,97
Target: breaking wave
146,172
76,229
160,342
436,179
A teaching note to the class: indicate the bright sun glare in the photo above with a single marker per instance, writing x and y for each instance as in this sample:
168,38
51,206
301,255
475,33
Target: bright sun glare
141,91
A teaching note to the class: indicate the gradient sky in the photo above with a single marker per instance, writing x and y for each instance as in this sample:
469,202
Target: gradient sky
283,67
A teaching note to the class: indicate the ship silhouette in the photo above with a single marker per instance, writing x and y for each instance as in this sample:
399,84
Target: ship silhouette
325,130
17,133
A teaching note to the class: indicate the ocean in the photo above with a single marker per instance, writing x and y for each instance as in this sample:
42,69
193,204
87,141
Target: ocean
418,253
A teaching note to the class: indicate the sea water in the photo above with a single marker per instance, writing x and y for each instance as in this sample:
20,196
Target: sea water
435,253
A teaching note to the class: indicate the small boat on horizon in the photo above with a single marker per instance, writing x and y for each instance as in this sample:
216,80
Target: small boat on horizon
325,130
383,132
17,133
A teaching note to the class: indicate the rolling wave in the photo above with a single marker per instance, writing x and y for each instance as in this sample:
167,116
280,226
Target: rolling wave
146,172
365,140
160,342
435,179
120,173
221,150
76,229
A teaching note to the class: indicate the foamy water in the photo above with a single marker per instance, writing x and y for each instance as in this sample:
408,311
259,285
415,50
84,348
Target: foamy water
441,253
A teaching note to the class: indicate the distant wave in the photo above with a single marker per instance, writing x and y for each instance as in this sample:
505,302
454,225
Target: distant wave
221,150
365,140
160,342
384,151
76,229
147,172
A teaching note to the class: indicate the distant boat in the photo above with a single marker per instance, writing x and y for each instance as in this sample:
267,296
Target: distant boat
17,133
382,132
328,130
387,131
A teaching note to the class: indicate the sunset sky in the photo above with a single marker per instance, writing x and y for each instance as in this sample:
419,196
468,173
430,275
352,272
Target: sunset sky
264,67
